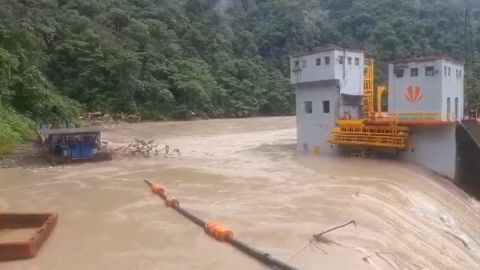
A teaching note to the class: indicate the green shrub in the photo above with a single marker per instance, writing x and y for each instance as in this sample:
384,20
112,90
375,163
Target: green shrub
14,130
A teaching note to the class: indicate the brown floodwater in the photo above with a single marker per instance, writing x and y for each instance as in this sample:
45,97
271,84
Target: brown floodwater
246,175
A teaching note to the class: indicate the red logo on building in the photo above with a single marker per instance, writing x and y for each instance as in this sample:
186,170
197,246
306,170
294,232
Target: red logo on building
413,94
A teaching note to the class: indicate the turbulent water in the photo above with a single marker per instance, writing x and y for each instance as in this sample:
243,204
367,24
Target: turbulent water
246,175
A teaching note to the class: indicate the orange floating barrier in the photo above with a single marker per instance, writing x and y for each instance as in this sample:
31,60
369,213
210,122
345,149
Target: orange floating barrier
219,232
157,189
39,227
170,202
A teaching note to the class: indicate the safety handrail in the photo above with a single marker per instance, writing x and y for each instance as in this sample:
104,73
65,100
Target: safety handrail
414,116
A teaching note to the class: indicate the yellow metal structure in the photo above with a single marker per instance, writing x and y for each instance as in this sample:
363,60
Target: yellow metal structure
368,80
371,130
423,118
360,132
380,90
350,122
371,140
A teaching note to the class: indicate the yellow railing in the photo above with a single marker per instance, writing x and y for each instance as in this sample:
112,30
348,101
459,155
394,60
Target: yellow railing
414,116
352,122
372,130
370,140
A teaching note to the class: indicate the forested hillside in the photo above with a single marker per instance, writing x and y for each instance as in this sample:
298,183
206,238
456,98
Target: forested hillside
219,58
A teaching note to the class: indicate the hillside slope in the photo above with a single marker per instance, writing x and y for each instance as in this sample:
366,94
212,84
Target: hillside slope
218,58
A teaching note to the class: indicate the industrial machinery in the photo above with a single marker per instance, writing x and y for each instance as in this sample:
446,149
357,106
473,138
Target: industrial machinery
386,129
375,129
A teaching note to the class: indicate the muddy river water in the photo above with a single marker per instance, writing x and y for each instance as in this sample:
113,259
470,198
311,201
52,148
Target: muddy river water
245,174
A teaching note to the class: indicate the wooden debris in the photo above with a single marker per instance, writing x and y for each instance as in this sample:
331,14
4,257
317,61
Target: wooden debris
146,148
320,238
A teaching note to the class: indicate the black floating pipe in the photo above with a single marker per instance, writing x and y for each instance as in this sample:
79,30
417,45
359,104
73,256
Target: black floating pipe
262,257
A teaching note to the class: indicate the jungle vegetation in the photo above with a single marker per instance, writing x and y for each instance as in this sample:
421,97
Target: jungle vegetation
218,58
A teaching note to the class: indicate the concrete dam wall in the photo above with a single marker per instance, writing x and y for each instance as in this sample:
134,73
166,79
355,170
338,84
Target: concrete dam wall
468,157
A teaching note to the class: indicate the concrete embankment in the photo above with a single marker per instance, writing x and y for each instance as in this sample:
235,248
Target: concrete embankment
468,157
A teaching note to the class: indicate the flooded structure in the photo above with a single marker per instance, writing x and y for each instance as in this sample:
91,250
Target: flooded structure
64,145
23,235
329,84
335,107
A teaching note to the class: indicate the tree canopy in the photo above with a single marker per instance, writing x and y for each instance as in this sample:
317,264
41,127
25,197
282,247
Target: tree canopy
218,58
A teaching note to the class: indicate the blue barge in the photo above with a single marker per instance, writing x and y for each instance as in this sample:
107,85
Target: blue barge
70,144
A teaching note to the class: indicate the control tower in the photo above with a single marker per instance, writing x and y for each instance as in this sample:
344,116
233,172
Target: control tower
425,101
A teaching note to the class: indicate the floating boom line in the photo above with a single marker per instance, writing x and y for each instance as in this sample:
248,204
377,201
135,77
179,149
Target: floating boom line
219,232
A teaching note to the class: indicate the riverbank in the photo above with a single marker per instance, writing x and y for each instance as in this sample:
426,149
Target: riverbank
15,129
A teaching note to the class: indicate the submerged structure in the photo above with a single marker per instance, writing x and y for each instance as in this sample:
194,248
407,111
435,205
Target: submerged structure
335,91
70,144
23,235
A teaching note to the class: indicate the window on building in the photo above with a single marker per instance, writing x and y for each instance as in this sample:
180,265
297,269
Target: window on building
318,61
327,60
456,108
456,73
459,74
449,109
429,71
304,62
340,60
349,60
357,61
297,65
445,71
449,72
326,106
308,107
399,72
413,72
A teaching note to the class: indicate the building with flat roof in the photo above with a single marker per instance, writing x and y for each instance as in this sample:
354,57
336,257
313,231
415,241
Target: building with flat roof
334,106
324,79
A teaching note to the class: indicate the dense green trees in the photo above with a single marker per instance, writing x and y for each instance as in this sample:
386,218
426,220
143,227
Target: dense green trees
219,58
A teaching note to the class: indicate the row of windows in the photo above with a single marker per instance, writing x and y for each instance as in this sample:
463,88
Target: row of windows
326,107
429,71
448,72
318,61
449,108
341,60
309,106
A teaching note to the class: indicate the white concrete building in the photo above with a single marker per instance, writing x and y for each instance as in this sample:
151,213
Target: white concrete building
327,80
426,95
433,86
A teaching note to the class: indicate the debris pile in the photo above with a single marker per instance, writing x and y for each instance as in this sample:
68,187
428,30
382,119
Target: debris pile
146,148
